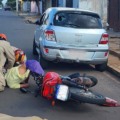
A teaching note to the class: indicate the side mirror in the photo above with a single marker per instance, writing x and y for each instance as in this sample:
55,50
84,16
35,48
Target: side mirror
37,22
106,26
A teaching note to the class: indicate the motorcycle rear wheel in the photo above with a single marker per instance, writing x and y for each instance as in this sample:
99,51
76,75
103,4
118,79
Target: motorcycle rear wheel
84,96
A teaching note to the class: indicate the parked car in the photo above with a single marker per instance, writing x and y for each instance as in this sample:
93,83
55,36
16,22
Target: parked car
7,8
71,35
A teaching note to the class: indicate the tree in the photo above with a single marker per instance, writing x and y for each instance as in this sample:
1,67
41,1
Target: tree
0,2
11,3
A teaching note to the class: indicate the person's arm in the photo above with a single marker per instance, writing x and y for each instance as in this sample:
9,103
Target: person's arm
16,86
27,79
25,85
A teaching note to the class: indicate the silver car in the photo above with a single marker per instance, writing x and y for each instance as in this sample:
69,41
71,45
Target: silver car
71,35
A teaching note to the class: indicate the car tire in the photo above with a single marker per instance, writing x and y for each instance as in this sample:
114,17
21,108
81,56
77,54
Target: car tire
34,48
43,62
101,67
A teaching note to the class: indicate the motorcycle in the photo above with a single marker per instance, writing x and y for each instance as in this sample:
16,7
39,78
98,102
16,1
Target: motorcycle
53,86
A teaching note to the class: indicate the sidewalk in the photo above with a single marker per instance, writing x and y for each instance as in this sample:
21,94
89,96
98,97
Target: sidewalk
29,17
114,56
114,43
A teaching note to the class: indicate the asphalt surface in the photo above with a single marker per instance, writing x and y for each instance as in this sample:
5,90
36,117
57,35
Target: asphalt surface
13,102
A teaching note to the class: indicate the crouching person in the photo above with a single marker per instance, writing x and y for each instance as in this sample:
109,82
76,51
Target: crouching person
6,54
18,77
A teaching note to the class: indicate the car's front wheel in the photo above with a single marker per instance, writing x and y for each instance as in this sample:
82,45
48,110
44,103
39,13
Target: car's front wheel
101,67
34,48
43,62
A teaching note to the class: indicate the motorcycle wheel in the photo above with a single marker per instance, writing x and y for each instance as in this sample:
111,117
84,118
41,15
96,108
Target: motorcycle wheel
93,79
84,96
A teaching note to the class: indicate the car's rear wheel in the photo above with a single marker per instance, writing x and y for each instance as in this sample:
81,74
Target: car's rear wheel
101,67
34,48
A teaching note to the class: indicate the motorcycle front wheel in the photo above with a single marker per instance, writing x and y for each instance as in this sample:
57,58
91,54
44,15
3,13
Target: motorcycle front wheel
84,96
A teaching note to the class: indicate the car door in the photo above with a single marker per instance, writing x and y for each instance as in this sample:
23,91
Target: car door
39,30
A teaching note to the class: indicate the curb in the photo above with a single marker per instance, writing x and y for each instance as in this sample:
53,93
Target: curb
113,71
114,36
114,53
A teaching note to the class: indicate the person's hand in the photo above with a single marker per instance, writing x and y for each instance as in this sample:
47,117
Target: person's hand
25,85
4,70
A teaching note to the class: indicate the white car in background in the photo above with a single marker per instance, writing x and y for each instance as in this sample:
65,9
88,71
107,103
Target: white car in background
0,7
71,35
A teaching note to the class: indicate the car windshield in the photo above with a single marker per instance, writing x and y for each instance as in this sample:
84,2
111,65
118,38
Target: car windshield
77,20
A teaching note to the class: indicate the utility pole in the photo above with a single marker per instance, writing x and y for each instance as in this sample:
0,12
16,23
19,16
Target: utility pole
16,5
102,11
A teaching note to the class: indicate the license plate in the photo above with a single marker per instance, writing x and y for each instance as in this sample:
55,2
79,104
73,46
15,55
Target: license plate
62,92
77,54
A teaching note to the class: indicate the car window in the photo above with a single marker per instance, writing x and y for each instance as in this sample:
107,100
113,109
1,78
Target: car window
77,20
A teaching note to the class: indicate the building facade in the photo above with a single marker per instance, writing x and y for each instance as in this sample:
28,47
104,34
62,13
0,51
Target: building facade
114,14
99,6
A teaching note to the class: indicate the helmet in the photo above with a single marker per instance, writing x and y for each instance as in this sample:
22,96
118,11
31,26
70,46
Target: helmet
53,77
20,56
34,66
3,37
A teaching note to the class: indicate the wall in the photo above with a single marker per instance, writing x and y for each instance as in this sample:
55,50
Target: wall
48,3
75,3
61,3
99,6
34,7
114,15
26,6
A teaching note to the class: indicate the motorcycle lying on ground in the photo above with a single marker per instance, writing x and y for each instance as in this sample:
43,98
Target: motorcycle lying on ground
53,87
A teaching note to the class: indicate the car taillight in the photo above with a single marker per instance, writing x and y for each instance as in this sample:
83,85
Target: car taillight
46,50
104,39
49,35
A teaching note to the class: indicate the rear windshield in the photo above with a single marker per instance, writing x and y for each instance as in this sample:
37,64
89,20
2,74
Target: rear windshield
77,20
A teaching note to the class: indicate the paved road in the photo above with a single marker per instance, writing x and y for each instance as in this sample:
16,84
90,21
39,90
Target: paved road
13,102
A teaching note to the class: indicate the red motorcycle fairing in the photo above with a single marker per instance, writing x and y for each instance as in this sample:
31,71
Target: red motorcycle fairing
50,80
111,103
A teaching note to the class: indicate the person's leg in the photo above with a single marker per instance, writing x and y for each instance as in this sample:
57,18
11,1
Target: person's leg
2,81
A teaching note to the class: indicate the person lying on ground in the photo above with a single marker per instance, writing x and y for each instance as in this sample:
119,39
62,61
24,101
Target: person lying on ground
18,77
